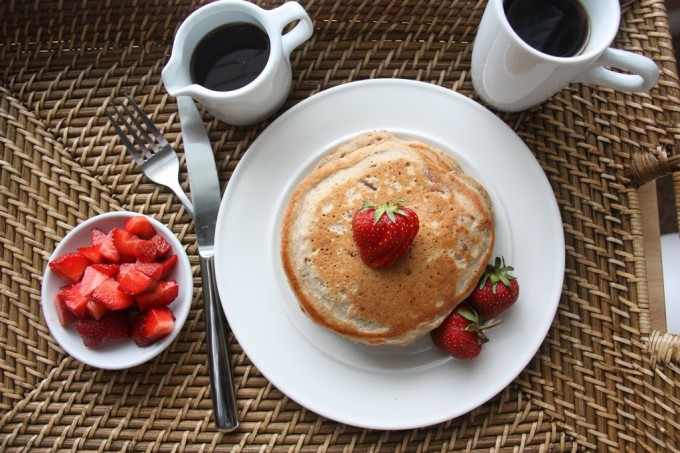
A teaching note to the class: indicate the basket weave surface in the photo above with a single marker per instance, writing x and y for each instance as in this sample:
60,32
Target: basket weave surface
595,384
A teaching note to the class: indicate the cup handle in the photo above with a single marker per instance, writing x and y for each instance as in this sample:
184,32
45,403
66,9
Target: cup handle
290,12
644,71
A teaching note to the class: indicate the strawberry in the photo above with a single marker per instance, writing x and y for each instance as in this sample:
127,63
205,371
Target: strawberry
98,237
125,242
109,250
153,270
96,310
113,325
111,296
384,233
134,281
152,325
65,315
141,226
146,251
92,278
162,245
76,301
92,253
70,266
92,331
459,335
109,269
497,290
164,293
168,265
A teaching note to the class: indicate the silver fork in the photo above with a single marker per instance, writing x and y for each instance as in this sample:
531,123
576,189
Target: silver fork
156,157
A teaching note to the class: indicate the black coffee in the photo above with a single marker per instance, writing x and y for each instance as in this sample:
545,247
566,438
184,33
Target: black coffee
230,57
554,27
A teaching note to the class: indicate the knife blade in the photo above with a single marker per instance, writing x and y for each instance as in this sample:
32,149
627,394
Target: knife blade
206,197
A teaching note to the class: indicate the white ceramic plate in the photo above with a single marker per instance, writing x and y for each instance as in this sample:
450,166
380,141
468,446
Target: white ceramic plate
384,387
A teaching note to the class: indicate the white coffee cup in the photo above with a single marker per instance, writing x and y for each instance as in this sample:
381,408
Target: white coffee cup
269,90
510,75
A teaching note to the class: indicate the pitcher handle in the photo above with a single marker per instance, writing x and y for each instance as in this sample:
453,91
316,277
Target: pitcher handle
291,12
644,72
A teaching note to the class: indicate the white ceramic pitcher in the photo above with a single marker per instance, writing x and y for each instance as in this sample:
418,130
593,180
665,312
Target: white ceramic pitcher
264,95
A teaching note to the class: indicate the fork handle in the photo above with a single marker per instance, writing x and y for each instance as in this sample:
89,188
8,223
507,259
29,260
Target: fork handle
224,400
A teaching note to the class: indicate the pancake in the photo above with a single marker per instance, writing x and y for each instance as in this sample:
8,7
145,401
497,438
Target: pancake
401,303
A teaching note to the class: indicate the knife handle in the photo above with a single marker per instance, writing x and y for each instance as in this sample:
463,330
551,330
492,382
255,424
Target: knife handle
224,400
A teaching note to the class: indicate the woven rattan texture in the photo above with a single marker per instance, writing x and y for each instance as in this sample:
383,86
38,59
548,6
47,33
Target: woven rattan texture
592,385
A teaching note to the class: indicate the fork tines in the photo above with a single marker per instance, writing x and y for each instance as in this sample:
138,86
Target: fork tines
136,130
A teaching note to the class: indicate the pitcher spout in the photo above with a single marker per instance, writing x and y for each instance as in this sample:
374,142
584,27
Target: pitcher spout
176,78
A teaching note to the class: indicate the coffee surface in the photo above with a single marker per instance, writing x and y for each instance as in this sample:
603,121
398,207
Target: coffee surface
230,57
554,27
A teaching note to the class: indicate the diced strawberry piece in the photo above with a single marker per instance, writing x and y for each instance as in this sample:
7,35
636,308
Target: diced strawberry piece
76,301
98,237
111,296
125,242
92,331
66,316
168,265
92,278
123,269
153,270
109,269
96,310
141,226
153,325
135,281
146,251
117,325
92,253
109,250
113,325
162,246
164,293
70,266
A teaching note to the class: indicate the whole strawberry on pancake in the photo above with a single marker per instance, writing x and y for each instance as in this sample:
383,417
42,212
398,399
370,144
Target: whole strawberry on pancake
385,284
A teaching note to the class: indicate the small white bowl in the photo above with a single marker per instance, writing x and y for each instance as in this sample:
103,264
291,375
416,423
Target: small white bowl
118,354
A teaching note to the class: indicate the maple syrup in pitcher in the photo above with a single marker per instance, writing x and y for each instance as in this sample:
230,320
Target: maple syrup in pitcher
555,27
230,57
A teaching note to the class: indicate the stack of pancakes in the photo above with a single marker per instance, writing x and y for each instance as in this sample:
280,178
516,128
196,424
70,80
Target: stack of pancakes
401,303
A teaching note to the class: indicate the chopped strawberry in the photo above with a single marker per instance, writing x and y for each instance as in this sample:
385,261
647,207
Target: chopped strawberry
153,270
146,251
109,269
92,278
109,250
164,293
117,325
70,266
66,316
123,269
113,325
111,296
98,237
162,245
141,226
92,253
169,265
135,281
125,242
92,331
76,301
95,309
153,325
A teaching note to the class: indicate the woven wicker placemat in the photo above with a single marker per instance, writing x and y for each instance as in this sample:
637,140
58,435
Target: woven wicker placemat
592,384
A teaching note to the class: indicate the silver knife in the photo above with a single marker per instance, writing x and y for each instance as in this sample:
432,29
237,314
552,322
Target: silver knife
206,198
